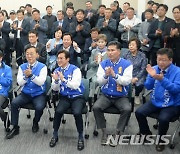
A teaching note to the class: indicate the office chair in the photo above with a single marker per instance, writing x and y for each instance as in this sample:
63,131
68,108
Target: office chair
5,105
112,109
146,98
30,106
85,110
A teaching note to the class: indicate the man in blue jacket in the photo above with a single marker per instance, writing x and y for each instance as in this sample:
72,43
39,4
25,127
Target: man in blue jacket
5,84
114,76
67,80
164,81
31,77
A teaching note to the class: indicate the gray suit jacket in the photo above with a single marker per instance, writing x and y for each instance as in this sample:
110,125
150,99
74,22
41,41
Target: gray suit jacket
42,38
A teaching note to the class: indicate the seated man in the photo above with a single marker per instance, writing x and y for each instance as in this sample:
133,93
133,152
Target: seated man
114,75
67,80
164,81
5,84
31,76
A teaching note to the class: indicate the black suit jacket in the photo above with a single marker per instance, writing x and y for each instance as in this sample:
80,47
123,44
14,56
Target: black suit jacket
73,53
65,26
24,33
5,30
166,28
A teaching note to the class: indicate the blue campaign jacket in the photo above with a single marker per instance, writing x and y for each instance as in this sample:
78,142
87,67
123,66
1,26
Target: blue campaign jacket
167,91
110,88
30,88
66,91
5,79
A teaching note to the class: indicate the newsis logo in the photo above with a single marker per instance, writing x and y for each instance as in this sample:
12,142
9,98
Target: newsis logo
139,139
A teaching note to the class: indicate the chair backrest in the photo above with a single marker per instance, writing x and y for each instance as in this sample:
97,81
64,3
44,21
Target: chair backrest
48,83
86,85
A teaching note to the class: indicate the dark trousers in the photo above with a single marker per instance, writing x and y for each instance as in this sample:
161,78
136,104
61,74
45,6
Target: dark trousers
122,104
39,103
153,56
165,116
2,113
19,51
76,105
138,89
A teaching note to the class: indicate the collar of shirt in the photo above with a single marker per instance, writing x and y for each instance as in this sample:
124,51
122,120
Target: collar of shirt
32,65
65,69
34,45
114,63
67,49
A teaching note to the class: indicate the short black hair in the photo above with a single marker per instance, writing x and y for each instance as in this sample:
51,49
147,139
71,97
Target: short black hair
20,11
48,6
36,10
33,31
29,5
70,7
176,7
164,6
165,51
127,3
102,5
66,53
115,43
150,2
29,46
61,12
79,10
69,4
135,39
149,10
95,29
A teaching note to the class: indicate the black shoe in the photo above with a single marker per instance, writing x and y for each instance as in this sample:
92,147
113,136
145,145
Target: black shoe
80,145
35,127
13,132
53,141
160,147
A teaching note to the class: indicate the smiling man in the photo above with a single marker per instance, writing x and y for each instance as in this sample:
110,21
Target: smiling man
164,81
114,76
31,77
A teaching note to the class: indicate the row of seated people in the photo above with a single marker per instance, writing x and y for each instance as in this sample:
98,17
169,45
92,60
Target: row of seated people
114,74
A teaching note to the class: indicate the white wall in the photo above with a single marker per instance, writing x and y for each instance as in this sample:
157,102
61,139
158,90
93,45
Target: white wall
39,4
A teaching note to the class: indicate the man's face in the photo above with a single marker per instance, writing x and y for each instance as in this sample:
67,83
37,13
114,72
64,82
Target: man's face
31,55
148,15
163,61
20,16
101,10
108,14
62,61
130,13
94,35
60,15
113,53
67,41
49,10
32,38
36,16
176,14
161,12
80,16
69,12
88,6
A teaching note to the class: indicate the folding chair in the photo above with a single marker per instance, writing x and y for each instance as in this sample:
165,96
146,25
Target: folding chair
30,106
